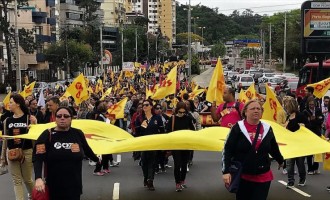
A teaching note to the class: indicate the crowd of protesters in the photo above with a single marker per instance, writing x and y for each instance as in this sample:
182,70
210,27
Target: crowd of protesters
143,116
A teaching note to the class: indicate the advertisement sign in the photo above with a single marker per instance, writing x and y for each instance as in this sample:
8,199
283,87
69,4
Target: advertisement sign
317,23
128,66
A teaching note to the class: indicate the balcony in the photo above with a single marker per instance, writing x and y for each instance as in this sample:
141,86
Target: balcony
39,17
50,3
42,38
52,38
51,21
40,57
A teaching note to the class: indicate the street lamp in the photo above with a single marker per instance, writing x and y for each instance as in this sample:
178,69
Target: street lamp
202,27
194,18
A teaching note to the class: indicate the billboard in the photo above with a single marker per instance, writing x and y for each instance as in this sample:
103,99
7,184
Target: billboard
128,66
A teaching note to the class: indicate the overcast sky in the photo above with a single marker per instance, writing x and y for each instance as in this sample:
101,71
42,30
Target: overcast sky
258,6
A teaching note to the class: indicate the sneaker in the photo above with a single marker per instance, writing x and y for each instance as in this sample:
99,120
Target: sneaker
311,173
163,170
290,185
302,182
91,163
114,164
106,171
317,172
328,188
183,185
285,171
178,187
295,172
168,166
98,173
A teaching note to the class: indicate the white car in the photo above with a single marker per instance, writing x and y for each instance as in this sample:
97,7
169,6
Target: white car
243,81
272,82
265,75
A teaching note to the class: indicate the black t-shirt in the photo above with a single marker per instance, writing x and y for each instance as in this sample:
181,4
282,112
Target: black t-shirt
18,126
154,125
62,151
293,124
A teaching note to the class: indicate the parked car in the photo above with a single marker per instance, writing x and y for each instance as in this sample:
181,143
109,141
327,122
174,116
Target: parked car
243,81
272,82
265,75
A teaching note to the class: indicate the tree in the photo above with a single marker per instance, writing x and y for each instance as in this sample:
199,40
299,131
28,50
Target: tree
218,49
78,54
182,38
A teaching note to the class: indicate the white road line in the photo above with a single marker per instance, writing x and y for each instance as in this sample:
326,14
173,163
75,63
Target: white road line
295,189
115,193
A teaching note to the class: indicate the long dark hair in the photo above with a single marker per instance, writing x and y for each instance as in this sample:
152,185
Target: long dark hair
18,99
152,108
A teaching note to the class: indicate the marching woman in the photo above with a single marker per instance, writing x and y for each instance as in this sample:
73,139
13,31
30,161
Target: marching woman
250,142
148,123
20,167
62,150
180,121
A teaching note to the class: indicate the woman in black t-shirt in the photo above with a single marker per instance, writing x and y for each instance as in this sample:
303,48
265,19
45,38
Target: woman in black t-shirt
148,123
21,171
62,149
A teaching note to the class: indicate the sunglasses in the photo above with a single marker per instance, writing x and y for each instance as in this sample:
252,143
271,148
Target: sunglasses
64,115
146,104
157,108
179,112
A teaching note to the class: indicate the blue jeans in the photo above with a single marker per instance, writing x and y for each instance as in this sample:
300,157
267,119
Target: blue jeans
300,162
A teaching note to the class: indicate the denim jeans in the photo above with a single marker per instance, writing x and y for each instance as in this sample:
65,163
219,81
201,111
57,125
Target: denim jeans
300,162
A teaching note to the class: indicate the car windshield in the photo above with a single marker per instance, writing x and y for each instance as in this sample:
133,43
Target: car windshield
246,79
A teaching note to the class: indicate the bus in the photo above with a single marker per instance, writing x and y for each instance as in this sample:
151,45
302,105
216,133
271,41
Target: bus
308,75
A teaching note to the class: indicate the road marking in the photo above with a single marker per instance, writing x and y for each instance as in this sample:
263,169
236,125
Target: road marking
115,193
118,158
295,189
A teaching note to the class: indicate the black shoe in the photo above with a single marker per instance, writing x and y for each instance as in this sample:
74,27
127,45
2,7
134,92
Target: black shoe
328,188
145,183
290,185
151,185
302,182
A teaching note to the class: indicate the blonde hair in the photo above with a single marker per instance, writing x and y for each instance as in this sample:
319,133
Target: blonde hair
247,104
290,104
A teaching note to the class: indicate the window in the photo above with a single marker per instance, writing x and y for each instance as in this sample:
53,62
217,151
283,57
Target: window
38,30
40,48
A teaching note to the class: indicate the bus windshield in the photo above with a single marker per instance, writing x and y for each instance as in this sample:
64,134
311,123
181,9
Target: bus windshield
308,75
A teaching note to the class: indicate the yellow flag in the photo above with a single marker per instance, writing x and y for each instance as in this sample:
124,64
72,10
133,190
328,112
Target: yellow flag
65,96
107,93
242,97
118,109
129,74
78,89
272,107
320,88
6,101
120,78
28,90
195,93
217,84
251,92
149,93
99,86
168,86
131,89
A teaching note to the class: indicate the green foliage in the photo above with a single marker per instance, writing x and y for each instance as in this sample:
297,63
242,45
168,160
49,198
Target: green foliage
78,54
195,69
218,49
182,38
249,52
141,21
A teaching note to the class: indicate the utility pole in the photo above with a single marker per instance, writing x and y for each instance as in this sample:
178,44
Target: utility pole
284,49
270,45
136,45
189,39
122,44
263,48
67,54
101,47
18,68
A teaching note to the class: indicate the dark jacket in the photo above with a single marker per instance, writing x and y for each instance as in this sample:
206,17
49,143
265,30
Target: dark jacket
238,148
315,124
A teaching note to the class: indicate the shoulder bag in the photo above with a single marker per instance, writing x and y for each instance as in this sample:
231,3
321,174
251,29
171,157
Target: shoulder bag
3,161
236,167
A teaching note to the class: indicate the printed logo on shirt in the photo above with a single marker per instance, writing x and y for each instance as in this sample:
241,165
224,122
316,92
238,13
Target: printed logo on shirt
59,145
75,148
17,125
40,149
17,131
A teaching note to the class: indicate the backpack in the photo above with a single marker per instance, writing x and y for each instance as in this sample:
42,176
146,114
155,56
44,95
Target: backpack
237,104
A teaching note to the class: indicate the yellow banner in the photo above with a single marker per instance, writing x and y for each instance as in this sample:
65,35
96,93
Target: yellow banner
321,88
217,84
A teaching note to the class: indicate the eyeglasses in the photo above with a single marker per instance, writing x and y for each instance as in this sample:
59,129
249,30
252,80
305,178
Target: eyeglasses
157,108
64,115
146,104
179,112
